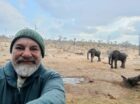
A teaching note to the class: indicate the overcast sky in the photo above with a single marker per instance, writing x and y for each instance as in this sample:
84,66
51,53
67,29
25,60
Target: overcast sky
114,20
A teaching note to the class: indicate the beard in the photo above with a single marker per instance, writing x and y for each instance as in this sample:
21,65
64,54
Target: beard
25,70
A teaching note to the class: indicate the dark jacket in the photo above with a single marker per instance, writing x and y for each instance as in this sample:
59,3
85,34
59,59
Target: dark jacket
43,87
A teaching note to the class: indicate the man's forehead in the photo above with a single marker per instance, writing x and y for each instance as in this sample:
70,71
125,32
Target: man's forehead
26,41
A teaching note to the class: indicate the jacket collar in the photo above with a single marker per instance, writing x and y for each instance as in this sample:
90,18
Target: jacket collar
11,75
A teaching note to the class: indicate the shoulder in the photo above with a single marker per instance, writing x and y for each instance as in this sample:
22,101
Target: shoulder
1,73
51,78
49,73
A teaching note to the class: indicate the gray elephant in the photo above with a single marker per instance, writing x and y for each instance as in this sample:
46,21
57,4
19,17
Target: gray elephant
116,55
132,81
93,52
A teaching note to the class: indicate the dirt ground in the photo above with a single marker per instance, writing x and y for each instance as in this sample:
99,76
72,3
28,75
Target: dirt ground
102,84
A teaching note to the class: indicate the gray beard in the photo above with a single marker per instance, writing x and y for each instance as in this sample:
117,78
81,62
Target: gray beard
25,70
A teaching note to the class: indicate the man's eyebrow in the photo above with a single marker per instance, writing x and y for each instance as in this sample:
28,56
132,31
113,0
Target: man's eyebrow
35,46
18,44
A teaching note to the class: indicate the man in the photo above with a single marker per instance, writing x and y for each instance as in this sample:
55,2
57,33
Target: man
24,80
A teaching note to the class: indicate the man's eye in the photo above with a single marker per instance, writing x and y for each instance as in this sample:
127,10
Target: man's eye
34,49
19,48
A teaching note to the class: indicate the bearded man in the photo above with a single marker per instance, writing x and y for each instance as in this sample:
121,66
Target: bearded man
24,79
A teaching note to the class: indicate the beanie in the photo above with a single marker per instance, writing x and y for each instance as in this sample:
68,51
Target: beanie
32,34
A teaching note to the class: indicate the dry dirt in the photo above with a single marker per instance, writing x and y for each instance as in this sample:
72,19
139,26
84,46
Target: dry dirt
102,85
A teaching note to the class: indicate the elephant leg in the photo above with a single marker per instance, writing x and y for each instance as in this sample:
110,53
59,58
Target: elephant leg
111,63
115,64
99,59
123,64
92,58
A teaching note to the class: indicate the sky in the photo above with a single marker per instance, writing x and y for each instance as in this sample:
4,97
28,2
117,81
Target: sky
94,20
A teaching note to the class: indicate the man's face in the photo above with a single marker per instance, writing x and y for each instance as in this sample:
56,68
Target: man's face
26,56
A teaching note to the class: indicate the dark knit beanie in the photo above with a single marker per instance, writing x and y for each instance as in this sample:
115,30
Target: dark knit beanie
29,33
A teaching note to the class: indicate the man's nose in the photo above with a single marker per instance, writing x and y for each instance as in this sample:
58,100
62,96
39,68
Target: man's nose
27,53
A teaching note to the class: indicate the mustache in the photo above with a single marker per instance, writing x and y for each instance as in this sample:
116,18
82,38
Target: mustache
22,59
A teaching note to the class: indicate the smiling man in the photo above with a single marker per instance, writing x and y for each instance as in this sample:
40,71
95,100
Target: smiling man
24,80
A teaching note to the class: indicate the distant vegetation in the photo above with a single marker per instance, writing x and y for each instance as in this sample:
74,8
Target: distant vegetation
125,44
60,43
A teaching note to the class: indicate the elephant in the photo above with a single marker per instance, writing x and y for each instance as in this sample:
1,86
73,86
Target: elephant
131,81
93,52
116,55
